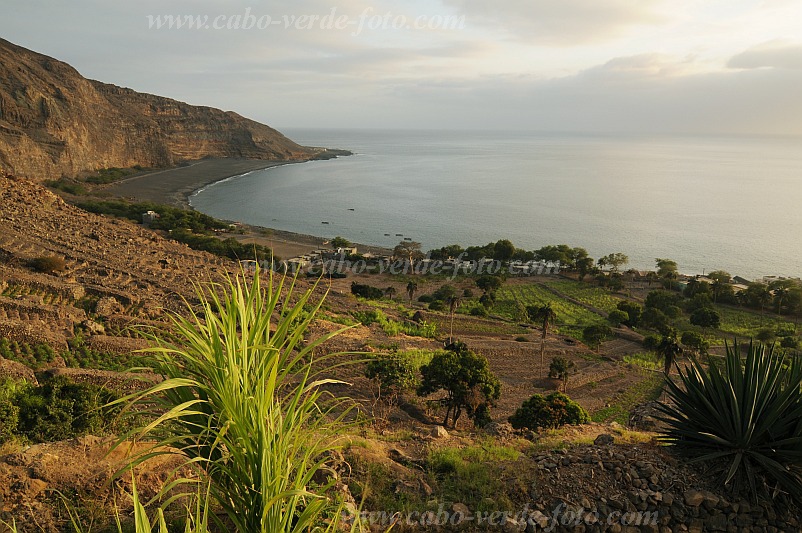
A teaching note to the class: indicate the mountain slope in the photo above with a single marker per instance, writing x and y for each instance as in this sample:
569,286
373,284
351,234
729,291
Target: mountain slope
55,122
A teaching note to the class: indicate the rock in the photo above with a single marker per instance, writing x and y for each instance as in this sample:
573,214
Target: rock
34,487
694,498
462,509
439,432
539,519
604,440
503,430
93,328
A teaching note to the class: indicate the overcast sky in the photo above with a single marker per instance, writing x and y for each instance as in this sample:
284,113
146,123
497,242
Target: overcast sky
663,66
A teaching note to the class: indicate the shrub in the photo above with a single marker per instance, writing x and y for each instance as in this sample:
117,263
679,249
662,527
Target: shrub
61,409
789,342
617,317
560,368
479,310
695,342
743,418
467,293
553,411
594,335
633,312
393,374
651,342
706,318
425,298
366,291
47,264
437,305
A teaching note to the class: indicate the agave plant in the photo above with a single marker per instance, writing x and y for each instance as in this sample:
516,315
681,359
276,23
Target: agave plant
242,404
744,416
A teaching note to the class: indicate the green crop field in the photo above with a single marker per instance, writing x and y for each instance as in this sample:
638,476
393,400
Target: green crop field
511,302
595,296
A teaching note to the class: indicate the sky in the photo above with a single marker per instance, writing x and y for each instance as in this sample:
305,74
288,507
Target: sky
601,66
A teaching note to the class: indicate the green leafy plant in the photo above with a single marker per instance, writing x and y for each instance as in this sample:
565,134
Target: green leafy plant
744,416
552,411
243,401
393,373
561,368
467,381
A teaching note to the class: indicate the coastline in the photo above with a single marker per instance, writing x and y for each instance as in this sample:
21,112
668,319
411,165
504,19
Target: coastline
174,186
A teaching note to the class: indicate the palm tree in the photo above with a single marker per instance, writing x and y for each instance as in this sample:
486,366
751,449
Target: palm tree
669,349
544,315
453,303
412,288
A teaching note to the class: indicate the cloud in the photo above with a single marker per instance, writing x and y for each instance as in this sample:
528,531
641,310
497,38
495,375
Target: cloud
560,22
774,54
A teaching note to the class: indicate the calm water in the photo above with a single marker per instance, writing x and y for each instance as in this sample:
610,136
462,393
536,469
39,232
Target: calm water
708,203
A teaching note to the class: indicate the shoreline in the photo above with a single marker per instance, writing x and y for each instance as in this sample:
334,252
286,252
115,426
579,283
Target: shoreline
174,186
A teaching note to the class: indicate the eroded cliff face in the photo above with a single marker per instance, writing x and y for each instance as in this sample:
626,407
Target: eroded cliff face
55,122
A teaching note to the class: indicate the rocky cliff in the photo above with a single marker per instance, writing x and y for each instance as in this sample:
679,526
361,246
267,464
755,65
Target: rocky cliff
55,122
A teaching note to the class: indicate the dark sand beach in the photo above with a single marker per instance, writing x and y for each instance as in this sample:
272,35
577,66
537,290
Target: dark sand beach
174,186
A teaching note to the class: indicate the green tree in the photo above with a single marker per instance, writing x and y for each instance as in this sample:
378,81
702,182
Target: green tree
668,349
489,283
696,342
665,267
340,242
412,288
545,316
632,310
706,317
453,302
615,261
390,292
561,368
503,250
466,379
595,334
408,251
617,317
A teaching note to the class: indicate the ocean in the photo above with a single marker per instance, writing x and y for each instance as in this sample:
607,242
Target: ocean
731,203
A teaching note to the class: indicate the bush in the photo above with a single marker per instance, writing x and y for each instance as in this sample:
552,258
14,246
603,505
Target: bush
695,342
617,317
633,312
479,310
743,418
437,305
48,265
425,298
706,318
561,368
594,335
651,342
553,411
789,342
393,373
366,291
61,409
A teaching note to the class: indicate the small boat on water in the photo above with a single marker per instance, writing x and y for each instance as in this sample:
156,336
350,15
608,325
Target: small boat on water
386,234
399,234
324,222
351,209
407,238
